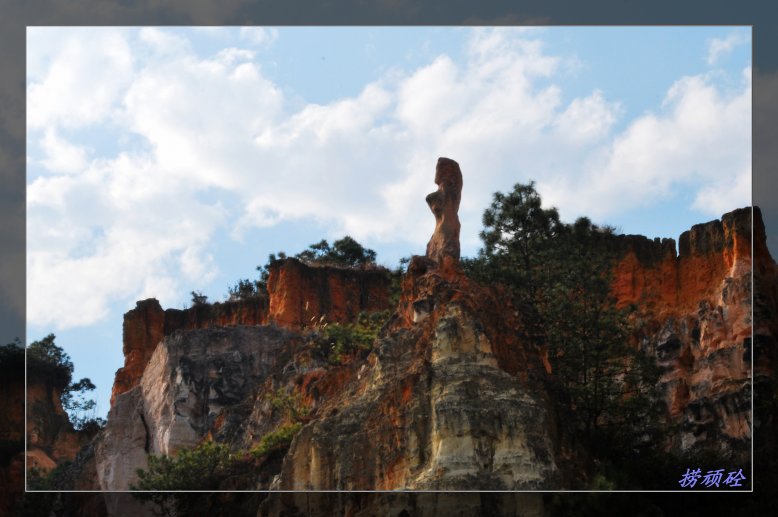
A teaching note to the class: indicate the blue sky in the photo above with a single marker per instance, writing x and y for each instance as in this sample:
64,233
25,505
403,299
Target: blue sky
166,160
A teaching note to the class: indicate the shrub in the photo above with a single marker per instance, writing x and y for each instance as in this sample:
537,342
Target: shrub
291,404
200,468
275,440
341,339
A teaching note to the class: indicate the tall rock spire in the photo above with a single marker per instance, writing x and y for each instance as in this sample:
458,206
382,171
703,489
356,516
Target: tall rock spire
444,204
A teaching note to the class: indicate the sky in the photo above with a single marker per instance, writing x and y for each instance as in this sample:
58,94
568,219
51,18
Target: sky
165,160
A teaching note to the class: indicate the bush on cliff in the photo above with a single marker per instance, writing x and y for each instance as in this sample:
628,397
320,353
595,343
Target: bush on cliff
275,440
200,468
341,339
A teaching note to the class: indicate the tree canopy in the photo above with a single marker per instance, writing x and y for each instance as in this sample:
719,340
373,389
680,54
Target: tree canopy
559,276
49,362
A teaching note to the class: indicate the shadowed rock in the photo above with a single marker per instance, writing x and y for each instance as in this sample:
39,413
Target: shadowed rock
444,204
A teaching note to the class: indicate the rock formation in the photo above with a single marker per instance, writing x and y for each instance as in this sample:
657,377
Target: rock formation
444,204
449,396
434,407
302,295
51,438
299,295
695,316
190,379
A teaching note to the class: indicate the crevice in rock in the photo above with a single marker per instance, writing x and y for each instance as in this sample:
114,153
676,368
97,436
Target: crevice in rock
147,444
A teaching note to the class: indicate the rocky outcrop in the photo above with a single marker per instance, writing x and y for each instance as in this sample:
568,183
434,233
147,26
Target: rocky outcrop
189,382
448,400
450,396
444,204
306,295
694,313
142,330
146,325
299,295
433,408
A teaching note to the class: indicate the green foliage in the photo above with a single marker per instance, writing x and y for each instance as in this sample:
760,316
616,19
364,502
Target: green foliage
275,440
200,468
49,362
12,359
55,479
343,252
80,409
291,404
517,232
198,298
559,276
341,339
246,289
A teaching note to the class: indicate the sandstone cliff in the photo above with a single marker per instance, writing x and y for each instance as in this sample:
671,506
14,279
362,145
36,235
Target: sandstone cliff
448,397
694,314
298,295
433,407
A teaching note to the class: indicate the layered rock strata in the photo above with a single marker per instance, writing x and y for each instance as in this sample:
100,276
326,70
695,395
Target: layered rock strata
694,314
299,295
303,296
434,407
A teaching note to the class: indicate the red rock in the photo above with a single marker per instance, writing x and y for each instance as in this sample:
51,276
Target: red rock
444,204
143,328
695,310
304,296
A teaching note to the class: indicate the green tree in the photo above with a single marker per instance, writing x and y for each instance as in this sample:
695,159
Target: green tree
198,298
49,362
246,289
559,276
281,438
200,468
343,252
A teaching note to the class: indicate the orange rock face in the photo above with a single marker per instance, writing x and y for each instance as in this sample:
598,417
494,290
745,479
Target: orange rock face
143,328
302,295
694,312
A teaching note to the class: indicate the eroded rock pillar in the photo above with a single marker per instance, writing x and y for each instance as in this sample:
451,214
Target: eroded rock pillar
444,204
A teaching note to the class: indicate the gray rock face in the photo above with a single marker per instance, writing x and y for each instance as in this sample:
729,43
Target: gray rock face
191,378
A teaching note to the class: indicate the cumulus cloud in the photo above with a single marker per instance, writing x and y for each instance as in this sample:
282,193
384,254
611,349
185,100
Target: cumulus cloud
61,155
82,83
721,47
106,228
700,139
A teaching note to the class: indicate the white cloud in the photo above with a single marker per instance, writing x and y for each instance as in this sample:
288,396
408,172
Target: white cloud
61,155
721,47
82,82
133,225
701,140
259,36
